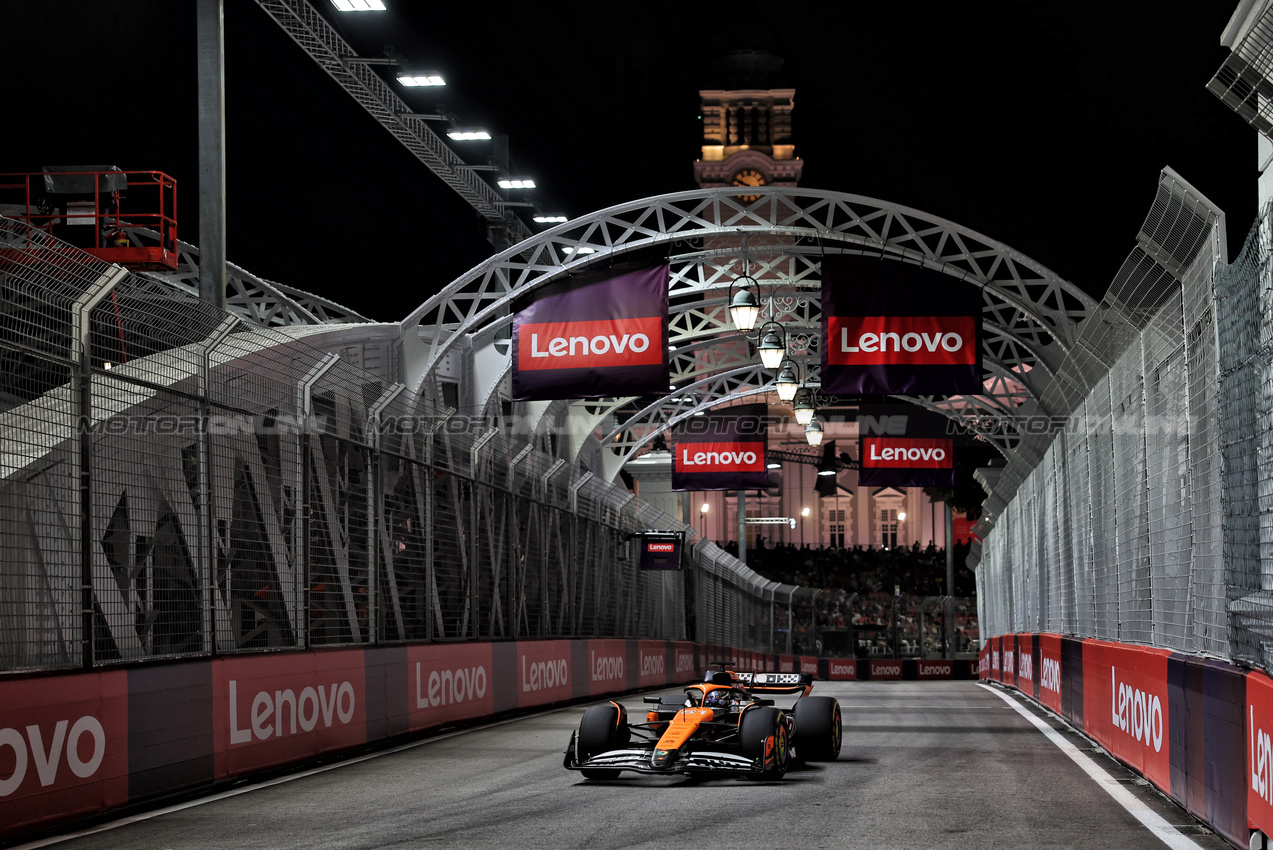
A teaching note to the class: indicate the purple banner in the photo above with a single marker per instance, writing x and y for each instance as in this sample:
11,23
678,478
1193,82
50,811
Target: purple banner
726,450
603,338
889,327
904,446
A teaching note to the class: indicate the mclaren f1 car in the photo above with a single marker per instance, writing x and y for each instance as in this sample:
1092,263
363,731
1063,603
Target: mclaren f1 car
723,726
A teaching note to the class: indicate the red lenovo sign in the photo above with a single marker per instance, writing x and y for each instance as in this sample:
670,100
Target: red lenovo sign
907,453
902,340
660,547
720,457
591,344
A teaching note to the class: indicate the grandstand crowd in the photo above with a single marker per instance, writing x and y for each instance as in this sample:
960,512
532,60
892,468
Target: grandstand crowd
913,571
874,602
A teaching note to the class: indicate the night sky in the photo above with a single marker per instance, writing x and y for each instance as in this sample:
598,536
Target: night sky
1041,125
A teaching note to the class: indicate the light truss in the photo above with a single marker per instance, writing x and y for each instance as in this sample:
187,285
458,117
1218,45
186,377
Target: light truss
307,27
1030,316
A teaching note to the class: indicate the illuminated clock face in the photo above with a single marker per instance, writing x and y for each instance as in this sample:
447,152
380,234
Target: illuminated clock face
748,177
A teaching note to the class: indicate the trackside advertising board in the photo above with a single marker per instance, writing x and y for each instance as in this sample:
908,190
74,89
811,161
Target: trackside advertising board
725,450
904,446
63,747
1259,751
602,338
274,709
1049,674
1126,705
889,327
449,683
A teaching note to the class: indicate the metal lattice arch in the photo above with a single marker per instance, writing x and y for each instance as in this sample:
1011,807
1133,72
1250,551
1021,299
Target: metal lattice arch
1031,316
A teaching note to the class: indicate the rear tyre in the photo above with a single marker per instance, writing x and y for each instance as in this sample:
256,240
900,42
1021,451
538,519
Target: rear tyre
758,726
819,729
603,728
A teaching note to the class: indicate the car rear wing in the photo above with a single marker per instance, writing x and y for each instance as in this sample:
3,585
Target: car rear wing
774,683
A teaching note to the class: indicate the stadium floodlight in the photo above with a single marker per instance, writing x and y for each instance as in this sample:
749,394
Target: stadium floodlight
468,135
580,250
550,219
359,5
516,184
412,80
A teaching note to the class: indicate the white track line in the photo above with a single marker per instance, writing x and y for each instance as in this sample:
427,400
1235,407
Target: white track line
256,786
1153,821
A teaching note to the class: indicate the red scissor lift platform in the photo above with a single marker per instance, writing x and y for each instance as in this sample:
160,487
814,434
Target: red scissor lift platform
114,215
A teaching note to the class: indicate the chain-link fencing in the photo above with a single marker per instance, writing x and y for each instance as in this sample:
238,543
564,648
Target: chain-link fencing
1147,520
176,482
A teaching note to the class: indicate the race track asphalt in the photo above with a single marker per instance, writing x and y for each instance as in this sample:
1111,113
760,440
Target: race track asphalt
924,765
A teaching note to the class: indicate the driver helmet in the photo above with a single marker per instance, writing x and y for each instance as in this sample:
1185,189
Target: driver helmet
719,698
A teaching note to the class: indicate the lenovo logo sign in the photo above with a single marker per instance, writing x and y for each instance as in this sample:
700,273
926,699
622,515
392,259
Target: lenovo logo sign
684,661
279,713
844,669
607,668
720,457
935,669
1136,712
660,547
1050,676
1261,760
902,340
63,744
543,675
652,664
449,687
1025,670
913,453
591,345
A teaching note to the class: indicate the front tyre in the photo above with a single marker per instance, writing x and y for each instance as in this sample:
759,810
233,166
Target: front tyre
819,729
603,728
761,729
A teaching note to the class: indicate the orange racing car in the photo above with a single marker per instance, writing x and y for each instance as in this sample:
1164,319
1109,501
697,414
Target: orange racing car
718,727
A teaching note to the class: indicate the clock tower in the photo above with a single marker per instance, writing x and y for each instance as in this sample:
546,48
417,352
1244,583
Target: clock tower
747,127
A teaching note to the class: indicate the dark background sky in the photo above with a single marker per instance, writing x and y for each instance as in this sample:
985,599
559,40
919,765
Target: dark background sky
1042,125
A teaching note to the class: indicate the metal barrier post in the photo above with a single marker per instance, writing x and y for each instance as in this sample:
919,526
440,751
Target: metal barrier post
950,579
83,373
475,511
207,533
375,517
305,399
434,608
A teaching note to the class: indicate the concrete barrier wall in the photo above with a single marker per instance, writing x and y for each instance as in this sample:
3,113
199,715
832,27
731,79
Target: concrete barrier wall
1194,727
78,744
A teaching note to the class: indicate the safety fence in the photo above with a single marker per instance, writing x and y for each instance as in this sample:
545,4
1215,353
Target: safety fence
176,482
1146,519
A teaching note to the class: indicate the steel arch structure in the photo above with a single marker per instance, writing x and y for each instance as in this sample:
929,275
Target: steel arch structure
1031,316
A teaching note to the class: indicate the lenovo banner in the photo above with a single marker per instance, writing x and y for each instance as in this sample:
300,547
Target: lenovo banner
889,327
904,446
1126,705
722,451
449,683
274,709
603,338
63,747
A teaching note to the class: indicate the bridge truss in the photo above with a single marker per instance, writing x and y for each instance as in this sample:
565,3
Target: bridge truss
1031,316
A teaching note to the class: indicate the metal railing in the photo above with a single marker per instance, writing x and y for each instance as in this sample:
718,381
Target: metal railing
1146,518
177,482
